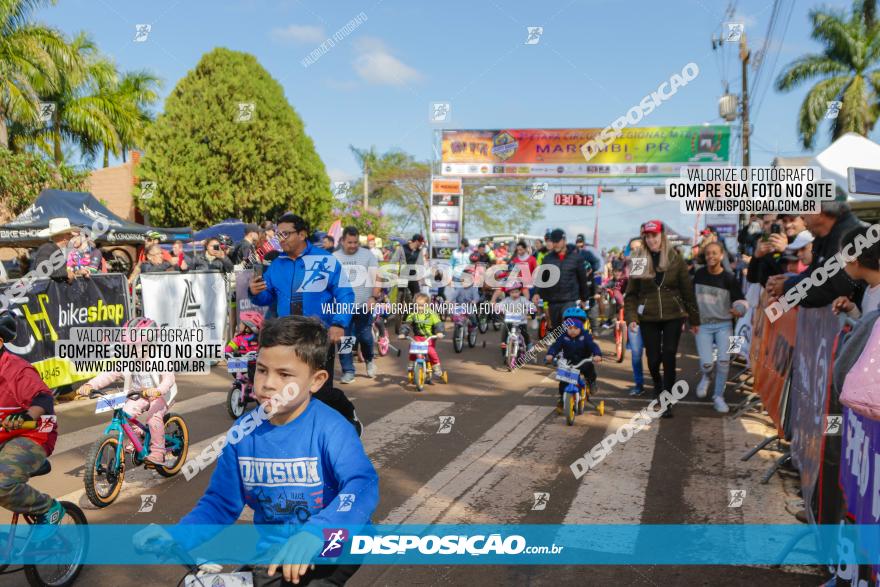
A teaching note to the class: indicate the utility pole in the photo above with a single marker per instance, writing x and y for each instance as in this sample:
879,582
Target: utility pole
744,55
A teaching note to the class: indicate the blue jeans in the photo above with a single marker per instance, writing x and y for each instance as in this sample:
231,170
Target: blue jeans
711,336
361,327
636,349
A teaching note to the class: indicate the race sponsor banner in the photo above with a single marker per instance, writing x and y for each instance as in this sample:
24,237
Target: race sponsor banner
771,363
637,152
743,326
52,308
860,481
810,381
187,300
445,235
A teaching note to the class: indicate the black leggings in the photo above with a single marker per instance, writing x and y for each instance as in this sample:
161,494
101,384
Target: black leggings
661,346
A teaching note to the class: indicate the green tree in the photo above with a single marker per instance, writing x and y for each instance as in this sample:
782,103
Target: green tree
24,175
401,186
846,71
212,157
28,51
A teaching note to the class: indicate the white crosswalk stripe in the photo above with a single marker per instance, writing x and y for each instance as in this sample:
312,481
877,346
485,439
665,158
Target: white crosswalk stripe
503,464
614,492
438,494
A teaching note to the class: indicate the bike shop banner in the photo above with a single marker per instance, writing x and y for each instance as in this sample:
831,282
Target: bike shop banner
49,309
771,359
445,236
187,300
659,151
817,329
860,477
243,301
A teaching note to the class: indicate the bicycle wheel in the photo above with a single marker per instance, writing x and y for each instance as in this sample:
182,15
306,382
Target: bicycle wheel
582,400
104,474
419,376
619,341
235,402
76,543
483,323
512,356
472,337
177,441
569,407
458,338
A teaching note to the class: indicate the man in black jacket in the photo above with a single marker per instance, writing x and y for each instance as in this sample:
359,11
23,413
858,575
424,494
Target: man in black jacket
572,285
828,227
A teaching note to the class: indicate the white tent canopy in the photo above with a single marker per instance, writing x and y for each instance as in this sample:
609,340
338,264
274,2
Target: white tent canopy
850,150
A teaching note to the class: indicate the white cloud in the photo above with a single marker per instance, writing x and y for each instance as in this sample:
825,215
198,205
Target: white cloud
337,174
376,65
300,34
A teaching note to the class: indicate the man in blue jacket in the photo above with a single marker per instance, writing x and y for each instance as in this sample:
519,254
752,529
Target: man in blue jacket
304,280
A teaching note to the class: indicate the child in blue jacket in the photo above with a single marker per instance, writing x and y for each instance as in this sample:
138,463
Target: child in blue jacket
575,345
304,468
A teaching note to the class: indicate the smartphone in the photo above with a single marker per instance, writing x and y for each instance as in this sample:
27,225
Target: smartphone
258,270
863,181
775,228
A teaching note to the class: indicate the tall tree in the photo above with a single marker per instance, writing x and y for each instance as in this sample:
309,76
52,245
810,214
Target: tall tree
846,71
228,144
27,51
401,187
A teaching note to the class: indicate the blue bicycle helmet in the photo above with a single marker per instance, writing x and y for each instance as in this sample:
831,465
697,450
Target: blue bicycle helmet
576,313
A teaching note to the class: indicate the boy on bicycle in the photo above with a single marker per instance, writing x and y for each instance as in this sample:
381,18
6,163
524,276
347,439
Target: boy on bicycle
423,323
575,345
157,391
329,464
24,398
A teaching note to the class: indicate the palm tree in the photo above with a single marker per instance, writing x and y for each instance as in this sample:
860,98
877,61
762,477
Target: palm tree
95,109
129,99
27,51
847,71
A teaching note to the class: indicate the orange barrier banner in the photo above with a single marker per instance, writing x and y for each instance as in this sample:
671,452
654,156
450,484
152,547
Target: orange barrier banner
771,356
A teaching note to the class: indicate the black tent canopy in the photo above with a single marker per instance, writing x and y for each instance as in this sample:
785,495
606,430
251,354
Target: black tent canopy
82,209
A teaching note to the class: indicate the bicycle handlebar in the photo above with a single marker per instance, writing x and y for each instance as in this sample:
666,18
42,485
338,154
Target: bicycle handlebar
565,364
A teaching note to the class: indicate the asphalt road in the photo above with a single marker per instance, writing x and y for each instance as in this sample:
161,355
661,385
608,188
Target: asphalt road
505,445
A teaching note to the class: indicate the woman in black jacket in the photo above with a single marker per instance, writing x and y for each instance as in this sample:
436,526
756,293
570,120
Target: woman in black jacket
659,296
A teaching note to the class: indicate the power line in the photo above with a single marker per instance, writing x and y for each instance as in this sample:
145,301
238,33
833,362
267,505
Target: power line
776,57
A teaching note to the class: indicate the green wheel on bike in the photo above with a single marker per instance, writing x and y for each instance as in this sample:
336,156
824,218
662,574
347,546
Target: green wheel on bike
569,407
61,574
176,443
104,473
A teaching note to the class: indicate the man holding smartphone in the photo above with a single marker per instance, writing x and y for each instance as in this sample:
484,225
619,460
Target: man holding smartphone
305,280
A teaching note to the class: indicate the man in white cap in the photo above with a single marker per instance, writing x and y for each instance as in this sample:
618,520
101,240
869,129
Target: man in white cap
53,254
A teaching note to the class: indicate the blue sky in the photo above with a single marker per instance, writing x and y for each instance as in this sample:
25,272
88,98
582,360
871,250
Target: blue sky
595,59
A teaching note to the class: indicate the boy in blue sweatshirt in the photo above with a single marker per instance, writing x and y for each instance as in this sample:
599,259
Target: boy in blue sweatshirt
575,345
304,467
